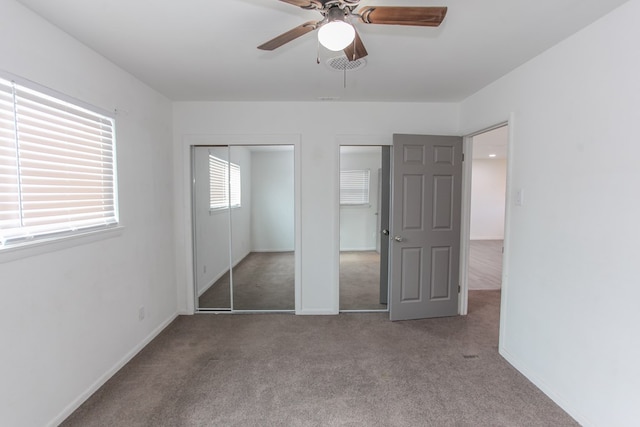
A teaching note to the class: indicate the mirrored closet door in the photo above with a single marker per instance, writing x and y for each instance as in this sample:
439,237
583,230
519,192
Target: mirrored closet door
211,234
244,227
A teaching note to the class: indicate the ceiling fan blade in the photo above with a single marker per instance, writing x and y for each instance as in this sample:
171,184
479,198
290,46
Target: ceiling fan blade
355,50
398,15
305,4
284,38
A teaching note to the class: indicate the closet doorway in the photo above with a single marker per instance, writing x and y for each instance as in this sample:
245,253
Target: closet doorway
364,219
244,228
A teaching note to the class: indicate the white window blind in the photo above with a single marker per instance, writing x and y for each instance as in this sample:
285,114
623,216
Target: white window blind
57,166
354,187
224,184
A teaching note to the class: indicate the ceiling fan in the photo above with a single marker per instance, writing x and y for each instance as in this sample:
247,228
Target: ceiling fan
336,32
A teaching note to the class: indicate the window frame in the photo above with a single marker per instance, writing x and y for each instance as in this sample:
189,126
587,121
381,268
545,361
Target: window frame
64,230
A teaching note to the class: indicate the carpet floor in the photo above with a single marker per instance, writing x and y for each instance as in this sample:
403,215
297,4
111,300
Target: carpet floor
345,370
261,281
360,281
265,281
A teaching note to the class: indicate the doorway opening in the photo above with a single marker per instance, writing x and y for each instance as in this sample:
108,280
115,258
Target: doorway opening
364,215
486,206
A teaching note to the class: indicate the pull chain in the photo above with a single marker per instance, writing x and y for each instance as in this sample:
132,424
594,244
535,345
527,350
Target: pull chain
353,58
345,76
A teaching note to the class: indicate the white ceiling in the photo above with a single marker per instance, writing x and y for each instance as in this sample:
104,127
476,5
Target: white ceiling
206,49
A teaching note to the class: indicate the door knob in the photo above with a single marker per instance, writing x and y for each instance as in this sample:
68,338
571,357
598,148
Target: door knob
385,232
398,239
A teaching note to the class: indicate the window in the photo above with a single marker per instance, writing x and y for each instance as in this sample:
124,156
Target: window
354,187
57,167
222,192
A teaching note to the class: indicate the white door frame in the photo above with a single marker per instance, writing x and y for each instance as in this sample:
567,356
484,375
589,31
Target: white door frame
465,230
188,141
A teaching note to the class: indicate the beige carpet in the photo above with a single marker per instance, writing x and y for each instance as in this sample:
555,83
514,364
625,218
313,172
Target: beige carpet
265,281
262,281
346,370
360,281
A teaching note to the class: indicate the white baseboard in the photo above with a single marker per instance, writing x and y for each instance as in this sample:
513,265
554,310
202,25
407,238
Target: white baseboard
544,387
487,238
357,249
316,312
111,372
273,250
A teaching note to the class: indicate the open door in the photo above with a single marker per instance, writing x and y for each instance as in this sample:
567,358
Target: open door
425,226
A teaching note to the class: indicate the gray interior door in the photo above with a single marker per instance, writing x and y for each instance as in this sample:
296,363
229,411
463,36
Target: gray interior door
425,226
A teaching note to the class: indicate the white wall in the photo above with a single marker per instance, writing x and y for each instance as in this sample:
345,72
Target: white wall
488,186
359,224
272,206
69,314
364,123
571,294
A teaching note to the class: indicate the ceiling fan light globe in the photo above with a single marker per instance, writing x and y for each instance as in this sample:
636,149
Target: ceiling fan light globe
336,35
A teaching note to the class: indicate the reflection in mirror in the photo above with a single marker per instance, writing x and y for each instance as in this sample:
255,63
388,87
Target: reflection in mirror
263,229
211,227
361,242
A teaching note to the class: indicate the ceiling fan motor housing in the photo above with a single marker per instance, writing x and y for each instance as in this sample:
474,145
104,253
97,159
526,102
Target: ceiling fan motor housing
336,13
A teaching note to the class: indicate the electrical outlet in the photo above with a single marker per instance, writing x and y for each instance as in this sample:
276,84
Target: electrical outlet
520,197
141,313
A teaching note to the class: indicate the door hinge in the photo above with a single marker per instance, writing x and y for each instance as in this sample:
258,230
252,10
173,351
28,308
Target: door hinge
463,157
458,288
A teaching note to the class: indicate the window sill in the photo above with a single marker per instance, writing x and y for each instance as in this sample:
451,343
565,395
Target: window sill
38,247
216,211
